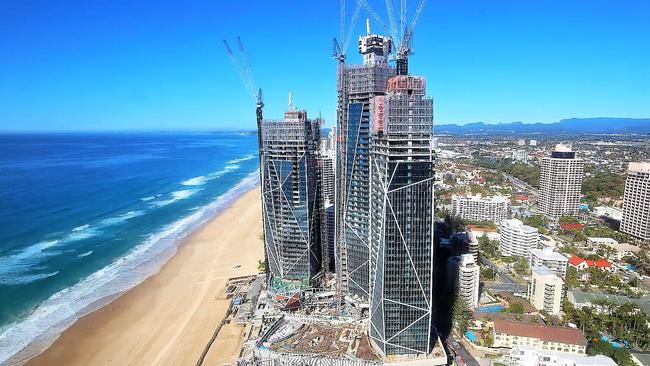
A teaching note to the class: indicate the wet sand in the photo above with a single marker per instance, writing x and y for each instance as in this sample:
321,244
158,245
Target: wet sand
169,318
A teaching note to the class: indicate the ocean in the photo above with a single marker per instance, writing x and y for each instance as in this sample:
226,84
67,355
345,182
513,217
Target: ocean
84,217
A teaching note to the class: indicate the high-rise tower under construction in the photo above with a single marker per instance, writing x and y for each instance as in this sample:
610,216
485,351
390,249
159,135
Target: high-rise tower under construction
357,85
291,219
402,218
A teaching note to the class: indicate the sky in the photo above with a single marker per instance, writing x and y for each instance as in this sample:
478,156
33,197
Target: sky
161,65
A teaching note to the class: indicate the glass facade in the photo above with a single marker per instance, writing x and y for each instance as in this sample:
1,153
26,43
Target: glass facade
290,198
402,224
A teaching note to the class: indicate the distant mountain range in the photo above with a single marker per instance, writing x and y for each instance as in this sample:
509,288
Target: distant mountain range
572,125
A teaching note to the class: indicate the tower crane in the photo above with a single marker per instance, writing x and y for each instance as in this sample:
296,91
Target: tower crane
246,74
403,40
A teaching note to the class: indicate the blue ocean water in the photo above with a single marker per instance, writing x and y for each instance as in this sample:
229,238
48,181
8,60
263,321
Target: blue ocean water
84,217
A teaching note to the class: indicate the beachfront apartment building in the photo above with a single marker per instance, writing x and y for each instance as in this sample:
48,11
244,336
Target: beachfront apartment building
463,276
478,208
290,200
554,261
402,219
545,290
560,183
636,201
509,334
356,86
517,239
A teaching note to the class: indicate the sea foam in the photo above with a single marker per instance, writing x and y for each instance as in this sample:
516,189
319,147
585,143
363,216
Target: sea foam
242,159
196,181
16,268
24,339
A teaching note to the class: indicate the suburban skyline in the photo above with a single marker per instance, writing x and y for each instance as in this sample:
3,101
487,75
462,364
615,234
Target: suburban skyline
121,66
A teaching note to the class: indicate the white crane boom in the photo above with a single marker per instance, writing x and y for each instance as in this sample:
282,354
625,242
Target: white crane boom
242,73
374,16
353,21
391,20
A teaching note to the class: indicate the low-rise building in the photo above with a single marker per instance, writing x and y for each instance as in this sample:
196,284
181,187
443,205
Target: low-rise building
531,356
580,299
545,290
509,334
554,261
480,231
517,239
623,250
608,212
477,208
594,243
582,264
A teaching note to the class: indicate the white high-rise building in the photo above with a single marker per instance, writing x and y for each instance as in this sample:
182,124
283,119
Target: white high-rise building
560,183
554,261
463,274
636,205
517,239
533,143
477,208
545,290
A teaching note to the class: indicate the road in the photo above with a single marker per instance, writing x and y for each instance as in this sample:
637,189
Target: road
463,357
522,185
510,287
507,282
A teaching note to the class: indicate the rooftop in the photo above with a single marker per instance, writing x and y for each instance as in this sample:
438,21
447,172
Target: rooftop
576,360
580,297
544,333
479,197
600,263
548,254
602,240
517,224
640,167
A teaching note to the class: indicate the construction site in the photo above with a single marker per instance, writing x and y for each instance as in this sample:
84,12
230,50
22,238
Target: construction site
374,305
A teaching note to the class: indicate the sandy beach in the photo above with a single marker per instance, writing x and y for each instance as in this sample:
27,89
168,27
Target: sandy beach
169,318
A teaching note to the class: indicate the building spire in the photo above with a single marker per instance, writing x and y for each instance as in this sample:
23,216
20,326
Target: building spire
291,106
368,26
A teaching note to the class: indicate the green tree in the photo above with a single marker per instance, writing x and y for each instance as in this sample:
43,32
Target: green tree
461,314
261,266
603,185
515,308
572,279
567,220
488,274
488,247
521,266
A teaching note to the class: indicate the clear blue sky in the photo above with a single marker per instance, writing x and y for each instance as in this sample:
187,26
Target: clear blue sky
112,65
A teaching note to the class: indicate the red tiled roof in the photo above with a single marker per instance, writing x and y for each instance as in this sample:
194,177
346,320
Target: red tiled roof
522,198
572,226
603,263
541,332
574,260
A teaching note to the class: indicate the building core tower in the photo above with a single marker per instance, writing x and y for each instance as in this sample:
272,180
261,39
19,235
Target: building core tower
357,85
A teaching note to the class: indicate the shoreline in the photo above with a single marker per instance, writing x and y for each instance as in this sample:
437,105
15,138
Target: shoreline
169,317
